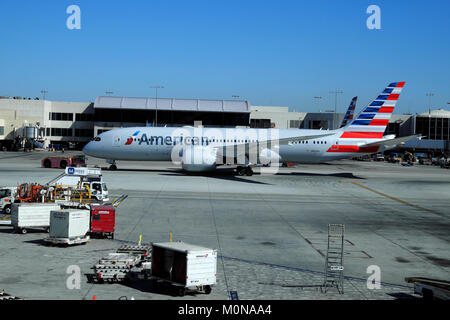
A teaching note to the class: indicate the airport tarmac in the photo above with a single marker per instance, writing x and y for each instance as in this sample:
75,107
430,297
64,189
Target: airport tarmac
270,230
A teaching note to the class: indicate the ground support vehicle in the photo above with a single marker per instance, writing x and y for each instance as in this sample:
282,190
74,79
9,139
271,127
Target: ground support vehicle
7,197
63,162
102,221
82,185
430,289
26,216
184,267
69,227
129,262
5,296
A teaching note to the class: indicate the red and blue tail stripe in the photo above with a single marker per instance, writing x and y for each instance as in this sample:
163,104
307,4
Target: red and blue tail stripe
372,121
349,114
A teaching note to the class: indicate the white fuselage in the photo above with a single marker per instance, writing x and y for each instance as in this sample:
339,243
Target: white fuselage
157,143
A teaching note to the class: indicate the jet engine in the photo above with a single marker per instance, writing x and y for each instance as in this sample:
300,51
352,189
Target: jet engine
267,156
198,158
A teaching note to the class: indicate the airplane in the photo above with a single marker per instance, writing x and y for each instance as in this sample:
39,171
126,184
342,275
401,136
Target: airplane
200,149
349,114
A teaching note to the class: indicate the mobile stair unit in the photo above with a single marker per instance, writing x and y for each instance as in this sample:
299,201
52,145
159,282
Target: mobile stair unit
334,263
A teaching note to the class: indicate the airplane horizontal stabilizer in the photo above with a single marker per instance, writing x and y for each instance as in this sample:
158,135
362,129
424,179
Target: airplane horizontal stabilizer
392,142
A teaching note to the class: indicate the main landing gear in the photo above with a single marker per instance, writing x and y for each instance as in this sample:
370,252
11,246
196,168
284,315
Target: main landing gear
112,163
244,171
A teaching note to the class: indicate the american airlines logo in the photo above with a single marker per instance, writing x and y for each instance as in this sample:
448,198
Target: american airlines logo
131,139
170,140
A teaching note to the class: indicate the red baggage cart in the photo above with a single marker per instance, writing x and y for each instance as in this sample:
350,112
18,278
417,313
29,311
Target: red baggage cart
103,219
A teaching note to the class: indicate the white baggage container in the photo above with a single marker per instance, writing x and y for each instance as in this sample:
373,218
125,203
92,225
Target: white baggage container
186,265
31,215
69,223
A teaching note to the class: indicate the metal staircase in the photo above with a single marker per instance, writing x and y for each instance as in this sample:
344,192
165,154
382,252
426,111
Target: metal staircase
334,263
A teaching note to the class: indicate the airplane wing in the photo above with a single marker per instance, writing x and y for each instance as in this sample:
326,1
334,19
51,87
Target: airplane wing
392,142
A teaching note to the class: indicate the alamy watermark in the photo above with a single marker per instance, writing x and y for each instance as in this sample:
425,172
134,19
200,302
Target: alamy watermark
374,20
73,281
374,280
74,20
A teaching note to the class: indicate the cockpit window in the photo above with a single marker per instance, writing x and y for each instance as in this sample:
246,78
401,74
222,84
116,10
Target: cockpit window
97,139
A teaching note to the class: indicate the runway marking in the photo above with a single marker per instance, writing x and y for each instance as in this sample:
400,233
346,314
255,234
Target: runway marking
393,198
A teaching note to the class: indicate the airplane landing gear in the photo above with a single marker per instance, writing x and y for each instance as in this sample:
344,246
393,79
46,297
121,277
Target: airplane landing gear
244,171
112,163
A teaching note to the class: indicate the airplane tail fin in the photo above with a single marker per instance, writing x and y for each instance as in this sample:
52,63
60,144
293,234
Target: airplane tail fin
349,114
372,121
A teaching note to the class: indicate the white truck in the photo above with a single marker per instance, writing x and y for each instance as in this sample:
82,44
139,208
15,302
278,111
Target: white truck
26,216
84,177
69,226
71,178
183,266
7,197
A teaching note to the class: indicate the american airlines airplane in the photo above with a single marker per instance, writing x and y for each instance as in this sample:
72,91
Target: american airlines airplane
199,149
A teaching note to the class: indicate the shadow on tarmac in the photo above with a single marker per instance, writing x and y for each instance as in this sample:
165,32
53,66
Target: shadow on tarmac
310,174
143,286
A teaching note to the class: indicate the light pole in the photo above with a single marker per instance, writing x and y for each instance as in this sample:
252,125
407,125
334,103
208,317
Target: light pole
336,92
43,93
429,95
318,100
156,110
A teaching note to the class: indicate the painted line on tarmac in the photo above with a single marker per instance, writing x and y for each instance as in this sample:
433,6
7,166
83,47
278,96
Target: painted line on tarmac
394,198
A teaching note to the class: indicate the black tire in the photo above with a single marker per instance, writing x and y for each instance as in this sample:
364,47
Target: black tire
47,163
23,231
47,229
207,289
248,171
7,209
181,291
113,167
63,164
240,171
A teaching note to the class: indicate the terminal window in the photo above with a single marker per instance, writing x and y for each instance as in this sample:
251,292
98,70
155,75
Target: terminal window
84,133
61,116
84,117
63,132
294,124
2,130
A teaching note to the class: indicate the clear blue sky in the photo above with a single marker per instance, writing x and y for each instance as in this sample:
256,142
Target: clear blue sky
269,52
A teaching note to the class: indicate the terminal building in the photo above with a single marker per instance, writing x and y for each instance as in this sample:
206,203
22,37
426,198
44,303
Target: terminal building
71,125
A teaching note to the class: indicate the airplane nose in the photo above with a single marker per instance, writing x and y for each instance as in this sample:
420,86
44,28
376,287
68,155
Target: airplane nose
87,148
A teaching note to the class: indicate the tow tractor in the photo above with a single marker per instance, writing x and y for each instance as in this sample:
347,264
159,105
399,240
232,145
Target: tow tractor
63,162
